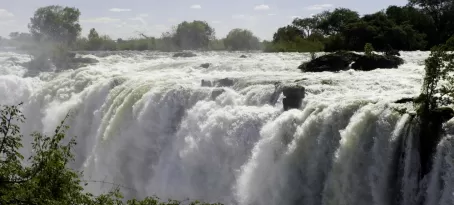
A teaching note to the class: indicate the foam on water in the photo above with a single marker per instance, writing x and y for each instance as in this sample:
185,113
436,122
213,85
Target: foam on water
143,120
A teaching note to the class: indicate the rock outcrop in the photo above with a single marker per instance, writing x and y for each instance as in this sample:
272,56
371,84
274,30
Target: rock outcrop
367,63
243,56
339,61
184,55
294,95
205,65
206,83
225,82
331,62
216,92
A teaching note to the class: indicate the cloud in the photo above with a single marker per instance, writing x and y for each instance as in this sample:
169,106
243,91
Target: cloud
319,6
160,27
138,18
100,20
262,7
215,22
4,14
243,17
171,20
196,6
7,22
294,17
272,14
119,10
143,15
238,16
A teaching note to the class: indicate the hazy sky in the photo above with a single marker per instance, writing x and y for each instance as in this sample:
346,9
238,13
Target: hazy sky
121,18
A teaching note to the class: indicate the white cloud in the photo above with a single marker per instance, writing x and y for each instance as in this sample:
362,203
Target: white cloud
294,17
100,20
272,14
319,6
171,20
215,22
238,16
196,6
143,15
262,7
138,18
7,22
4,14
160,27
119,10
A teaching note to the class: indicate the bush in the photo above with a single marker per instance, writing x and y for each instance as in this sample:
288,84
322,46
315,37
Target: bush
368,49
450,43
298,45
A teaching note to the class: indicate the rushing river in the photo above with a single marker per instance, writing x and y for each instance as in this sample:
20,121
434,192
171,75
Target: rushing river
144,121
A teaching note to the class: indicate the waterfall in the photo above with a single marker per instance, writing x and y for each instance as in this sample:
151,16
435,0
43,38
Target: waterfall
144,121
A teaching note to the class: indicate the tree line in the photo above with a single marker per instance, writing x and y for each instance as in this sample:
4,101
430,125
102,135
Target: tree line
419,25
57,24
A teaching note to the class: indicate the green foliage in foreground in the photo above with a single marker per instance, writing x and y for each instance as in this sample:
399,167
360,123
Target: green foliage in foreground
438,85
44,178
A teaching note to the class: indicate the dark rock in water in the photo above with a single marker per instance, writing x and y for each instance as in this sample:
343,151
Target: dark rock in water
405,100
225,82
342,60
443,114
75,63
430,135
389,51
84,60
243,56
332,62
206,83
71,54
392,53
293,96
184,54
216,92
367,63
205,65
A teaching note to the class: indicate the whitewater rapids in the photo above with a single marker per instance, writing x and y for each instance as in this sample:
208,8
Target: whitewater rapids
144,121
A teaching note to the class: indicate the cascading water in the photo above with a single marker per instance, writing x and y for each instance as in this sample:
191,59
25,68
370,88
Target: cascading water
144,121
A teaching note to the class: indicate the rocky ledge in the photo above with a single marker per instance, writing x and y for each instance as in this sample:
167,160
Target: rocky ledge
342,60
184,55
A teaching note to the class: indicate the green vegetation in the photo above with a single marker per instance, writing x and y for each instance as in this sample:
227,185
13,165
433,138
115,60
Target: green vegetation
368,49
420,25
193,35
241,39
45,177
434,105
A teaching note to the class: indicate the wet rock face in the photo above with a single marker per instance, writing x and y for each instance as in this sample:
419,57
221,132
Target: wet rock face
294,95
332,62
367,63
206,83
216,92
339,61
205,65
225,82
442,114
184,54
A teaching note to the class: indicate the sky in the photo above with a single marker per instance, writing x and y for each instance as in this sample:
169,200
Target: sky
129,18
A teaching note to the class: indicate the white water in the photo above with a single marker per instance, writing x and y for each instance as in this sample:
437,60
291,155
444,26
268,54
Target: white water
144,121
